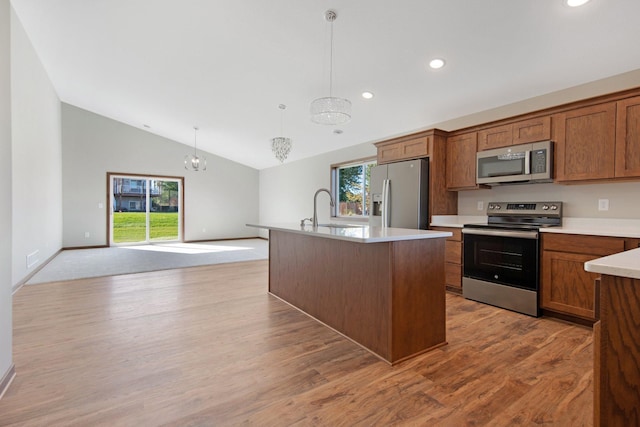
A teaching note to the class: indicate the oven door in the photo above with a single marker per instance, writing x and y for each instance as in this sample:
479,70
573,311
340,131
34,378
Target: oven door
508,257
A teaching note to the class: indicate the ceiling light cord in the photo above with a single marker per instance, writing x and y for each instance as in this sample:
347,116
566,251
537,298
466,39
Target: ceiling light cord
195,141
331,18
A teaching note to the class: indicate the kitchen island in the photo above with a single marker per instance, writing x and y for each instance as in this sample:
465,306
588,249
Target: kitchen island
381,287
616,342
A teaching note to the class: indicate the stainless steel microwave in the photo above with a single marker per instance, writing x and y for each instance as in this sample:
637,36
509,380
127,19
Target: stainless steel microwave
525,163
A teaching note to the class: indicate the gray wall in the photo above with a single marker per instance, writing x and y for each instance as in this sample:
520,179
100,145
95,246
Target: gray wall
218,202
5,178
36,159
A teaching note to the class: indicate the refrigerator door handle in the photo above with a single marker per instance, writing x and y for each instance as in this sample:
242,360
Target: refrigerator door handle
385,202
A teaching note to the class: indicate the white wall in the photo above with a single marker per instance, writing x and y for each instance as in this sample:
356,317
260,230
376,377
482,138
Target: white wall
286,191
220,200
578,200
5,177
36,158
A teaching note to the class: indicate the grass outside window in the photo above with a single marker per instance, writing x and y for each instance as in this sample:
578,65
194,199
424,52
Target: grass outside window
130,227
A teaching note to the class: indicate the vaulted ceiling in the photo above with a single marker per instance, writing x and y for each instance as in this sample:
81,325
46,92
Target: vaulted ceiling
226,65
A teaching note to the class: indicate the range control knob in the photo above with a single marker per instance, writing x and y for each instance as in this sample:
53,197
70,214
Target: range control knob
545,207
554,207
497,207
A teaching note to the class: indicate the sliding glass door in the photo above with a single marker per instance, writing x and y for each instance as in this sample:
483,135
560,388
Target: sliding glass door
144,209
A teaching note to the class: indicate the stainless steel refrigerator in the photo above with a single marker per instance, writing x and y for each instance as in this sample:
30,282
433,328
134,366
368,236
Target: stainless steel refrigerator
400,194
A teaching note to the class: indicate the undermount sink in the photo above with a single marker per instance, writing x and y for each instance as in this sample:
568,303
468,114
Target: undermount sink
342,225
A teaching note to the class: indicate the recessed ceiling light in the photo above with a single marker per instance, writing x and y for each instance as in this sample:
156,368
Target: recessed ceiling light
367,95
337,131
146,126
575,3
436,63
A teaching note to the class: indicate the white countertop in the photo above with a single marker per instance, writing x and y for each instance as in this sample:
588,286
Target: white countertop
624,264
611,227
358,233
457,221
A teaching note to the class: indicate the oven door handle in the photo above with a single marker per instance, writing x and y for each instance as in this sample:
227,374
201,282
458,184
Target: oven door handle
501,233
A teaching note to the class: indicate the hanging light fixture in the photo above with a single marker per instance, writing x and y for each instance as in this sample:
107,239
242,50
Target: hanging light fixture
193,161
280,145
330,110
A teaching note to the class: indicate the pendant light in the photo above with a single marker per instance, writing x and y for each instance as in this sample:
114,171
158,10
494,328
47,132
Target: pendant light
193,161
330,110
280,145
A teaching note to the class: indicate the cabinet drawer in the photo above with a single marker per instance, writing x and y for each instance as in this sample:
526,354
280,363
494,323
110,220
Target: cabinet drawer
453,275
453,252
590,245
457,233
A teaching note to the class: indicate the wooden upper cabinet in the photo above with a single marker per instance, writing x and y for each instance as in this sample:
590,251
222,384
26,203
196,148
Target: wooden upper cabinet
461,161
394,151
628,138
495,137
585,143
533,130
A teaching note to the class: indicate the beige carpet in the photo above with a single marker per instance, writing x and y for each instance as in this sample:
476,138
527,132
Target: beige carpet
82,263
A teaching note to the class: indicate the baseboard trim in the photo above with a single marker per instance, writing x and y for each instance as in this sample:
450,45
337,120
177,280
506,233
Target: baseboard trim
22,282
222,240
84,247
7,380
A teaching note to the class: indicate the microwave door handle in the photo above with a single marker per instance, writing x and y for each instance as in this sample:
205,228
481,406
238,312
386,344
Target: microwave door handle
527,162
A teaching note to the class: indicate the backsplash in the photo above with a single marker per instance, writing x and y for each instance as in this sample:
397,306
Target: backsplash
579,201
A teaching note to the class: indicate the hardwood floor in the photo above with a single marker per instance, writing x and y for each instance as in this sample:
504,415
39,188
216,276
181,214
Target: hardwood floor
208,346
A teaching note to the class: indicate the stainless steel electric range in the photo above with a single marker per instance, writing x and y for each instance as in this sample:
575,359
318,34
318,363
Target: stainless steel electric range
502,258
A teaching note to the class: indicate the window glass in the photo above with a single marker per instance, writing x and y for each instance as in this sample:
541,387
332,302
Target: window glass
351,185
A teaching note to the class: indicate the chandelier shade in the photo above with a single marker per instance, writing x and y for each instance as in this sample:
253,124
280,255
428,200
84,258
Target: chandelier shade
194,162
330,110
280,145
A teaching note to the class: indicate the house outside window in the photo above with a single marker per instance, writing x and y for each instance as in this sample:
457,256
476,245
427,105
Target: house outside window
351,189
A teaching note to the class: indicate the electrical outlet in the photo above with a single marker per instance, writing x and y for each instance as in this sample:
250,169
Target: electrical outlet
603,204
87,234
100,206
480,205
204,230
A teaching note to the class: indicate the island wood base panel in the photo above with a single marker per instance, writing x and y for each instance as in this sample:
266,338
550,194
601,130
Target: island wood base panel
617,354
388,297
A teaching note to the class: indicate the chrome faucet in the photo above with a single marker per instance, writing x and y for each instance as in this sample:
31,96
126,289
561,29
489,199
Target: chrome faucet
314,221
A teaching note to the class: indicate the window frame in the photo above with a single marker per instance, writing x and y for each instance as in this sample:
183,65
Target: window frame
335,211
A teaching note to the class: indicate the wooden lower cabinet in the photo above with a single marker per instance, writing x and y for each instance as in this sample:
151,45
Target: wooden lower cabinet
453,259
565,286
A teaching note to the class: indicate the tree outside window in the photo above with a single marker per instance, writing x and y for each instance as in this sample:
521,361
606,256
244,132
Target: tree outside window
352,188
